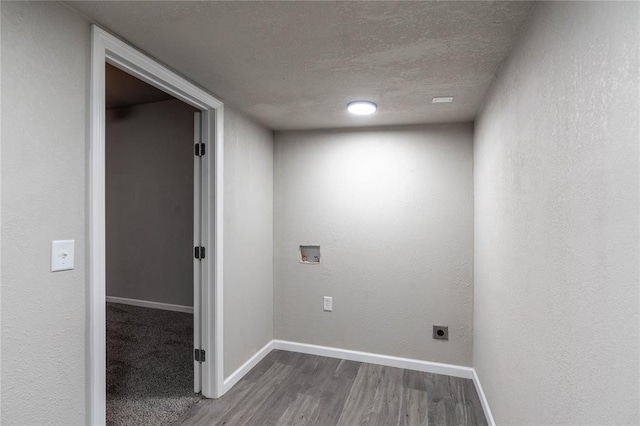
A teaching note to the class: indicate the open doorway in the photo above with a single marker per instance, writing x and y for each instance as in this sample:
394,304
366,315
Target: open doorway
209,357
152,226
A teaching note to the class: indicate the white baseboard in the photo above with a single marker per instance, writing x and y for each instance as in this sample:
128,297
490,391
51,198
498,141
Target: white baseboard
389,361
483,399
149,304
237,375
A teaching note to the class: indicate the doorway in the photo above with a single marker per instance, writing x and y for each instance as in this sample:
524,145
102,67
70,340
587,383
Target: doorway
208,190
152,226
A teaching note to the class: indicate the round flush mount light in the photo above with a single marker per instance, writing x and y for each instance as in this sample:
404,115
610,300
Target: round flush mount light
362,107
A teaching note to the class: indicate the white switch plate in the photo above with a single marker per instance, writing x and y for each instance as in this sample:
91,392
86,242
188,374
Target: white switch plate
328,303
62,255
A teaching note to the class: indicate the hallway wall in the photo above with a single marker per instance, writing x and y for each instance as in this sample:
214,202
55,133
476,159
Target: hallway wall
248,238
45,113
556,332
45,76
149,202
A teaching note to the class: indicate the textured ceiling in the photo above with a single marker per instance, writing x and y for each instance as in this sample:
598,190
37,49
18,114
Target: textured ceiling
295,65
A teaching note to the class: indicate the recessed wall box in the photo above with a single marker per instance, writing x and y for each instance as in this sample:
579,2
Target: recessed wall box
309,254
441,332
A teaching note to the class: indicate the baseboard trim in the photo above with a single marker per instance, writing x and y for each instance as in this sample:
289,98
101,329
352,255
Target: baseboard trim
483,399
237,375
149,304
372,358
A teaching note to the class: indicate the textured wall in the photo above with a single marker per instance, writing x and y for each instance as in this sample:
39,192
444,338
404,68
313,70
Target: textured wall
556,201
149,194
393,212
45,66
248,239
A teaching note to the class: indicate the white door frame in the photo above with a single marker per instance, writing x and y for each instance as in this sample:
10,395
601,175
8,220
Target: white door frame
107,48
197,241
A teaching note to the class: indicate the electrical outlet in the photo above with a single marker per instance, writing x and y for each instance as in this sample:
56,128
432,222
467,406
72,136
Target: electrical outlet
440,332
328,303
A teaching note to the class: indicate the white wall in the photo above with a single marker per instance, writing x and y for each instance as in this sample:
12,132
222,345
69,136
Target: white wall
248,238
392,210
149,199
45,66
45,77
556,329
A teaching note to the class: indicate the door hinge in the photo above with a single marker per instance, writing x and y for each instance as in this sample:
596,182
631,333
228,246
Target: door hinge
199,252
199,149
199,355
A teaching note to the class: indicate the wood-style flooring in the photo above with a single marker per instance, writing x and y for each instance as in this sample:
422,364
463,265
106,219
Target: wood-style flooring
288,388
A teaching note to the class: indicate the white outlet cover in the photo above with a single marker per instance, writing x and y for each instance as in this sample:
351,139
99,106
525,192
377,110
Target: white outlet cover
327,304
62,255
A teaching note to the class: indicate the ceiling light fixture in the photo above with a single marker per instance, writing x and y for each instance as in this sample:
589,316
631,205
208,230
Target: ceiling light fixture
362,107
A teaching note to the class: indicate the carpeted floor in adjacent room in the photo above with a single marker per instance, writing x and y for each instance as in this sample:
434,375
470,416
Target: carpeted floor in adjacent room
149,365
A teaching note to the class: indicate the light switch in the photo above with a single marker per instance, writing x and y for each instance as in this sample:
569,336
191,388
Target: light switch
62,255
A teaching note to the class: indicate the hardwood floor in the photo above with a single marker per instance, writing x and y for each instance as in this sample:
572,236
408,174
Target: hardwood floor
288,388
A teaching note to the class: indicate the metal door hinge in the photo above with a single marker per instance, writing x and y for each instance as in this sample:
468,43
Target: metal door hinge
199,252
199,355
199,149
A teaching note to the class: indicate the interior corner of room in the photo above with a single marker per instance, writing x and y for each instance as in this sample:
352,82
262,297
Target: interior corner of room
481,226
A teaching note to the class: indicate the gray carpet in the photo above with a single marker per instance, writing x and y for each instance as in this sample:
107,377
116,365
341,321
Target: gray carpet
149,365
